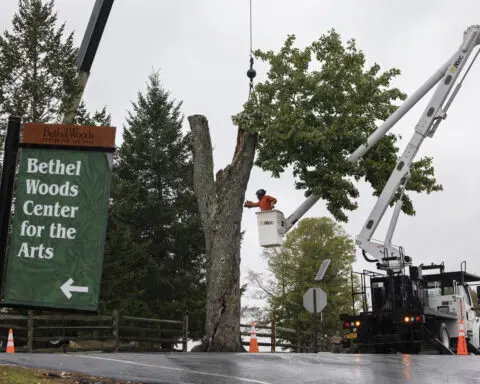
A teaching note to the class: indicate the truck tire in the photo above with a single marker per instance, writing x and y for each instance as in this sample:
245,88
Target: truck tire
443,336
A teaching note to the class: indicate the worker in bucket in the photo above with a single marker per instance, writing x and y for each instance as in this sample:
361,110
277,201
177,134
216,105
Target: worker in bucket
265,202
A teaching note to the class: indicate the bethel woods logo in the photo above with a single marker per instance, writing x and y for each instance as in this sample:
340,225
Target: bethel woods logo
68,133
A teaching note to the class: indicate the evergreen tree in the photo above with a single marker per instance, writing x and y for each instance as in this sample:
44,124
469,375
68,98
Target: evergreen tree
154,260
37,64
99,118
38,68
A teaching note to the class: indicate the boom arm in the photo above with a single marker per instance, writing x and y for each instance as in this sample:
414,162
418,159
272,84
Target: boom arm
467,46
432,116
375,137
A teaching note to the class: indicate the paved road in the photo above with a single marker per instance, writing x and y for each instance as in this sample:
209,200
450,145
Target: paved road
193,368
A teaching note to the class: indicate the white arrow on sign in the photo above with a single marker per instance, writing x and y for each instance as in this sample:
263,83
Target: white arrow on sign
67,288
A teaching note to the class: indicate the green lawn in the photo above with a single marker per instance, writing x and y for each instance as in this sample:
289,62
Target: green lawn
18,375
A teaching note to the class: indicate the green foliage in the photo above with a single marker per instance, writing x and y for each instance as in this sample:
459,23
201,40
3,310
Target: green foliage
99,118
295,266
38,69
37,64
154,263
315,108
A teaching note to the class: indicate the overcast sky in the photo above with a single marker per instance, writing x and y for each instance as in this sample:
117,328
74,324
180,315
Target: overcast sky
201,48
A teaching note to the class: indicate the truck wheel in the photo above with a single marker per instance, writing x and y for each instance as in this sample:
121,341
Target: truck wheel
443,336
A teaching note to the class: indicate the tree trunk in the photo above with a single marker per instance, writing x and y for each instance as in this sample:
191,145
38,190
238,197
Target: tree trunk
220,203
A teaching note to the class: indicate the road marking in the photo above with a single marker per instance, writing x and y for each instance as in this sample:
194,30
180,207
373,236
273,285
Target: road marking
172,368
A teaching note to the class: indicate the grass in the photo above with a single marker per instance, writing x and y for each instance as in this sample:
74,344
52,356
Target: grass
19,375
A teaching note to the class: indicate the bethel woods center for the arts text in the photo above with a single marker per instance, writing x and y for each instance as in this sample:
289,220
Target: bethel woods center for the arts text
30,208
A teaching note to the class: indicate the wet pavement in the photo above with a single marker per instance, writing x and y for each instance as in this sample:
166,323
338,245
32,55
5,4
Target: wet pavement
261,368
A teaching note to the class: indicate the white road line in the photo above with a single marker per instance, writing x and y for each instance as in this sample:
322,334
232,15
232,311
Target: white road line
172,368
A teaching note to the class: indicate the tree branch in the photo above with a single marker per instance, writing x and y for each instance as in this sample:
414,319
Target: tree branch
258,278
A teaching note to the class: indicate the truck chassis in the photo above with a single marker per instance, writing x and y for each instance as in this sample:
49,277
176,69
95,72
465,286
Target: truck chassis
412,314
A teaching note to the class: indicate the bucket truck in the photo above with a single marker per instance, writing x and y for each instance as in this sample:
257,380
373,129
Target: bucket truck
407,308
404,307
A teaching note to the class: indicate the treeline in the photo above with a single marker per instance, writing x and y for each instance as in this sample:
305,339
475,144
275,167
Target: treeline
154,262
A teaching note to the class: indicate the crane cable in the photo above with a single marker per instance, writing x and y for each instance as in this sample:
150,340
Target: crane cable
251,73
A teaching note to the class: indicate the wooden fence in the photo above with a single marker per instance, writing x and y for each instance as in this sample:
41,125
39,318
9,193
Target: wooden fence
276,335
114,333
37,332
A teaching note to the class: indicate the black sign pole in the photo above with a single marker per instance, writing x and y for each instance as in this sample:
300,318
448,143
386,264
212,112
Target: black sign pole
6,188
87,51
315,328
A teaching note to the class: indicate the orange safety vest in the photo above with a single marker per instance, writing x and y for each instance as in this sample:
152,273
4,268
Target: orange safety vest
266,203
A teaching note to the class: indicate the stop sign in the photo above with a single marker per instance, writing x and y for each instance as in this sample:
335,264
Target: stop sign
320,298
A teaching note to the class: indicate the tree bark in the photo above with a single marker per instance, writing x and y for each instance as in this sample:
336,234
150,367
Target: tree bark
220,203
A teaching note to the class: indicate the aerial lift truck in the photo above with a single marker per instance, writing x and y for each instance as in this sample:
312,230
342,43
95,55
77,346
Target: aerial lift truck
404,306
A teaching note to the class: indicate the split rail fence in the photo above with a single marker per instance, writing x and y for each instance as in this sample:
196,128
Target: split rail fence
40,332
274,336
106,333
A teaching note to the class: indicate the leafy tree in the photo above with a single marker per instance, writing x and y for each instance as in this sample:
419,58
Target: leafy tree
294,268
311,119
314,119
154,262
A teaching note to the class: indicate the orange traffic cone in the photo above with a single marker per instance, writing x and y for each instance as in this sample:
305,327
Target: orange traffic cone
462,344
253,339
10,344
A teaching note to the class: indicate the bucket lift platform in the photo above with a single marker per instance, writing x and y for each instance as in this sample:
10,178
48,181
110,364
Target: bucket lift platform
271,227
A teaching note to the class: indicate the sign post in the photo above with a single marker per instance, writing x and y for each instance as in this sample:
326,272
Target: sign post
8,181
55,253
315,320
314,300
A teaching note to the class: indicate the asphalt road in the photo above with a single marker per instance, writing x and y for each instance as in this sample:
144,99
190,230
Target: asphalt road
261,368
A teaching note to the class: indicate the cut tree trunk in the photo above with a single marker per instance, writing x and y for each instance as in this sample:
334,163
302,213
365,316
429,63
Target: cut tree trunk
220,203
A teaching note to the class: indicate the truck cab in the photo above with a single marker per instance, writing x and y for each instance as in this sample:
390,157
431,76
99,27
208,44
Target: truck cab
413,312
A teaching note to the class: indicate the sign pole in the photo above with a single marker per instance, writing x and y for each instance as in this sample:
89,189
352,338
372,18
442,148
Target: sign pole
315,328
8,180
87,51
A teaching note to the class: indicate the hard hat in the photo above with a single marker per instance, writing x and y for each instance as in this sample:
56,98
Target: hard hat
260,193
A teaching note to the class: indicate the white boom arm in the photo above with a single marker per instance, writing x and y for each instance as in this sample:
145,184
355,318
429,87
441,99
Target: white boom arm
390,256
375,137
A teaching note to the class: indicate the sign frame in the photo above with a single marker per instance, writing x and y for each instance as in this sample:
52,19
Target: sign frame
69,138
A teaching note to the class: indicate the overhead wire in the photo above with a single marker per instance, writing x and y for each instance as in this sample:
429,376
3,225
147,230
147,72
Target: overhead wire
251,30
251,73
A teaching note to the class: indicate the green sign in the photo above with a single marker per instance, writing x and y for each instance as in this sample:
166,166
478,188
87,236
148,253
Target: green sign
55,254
